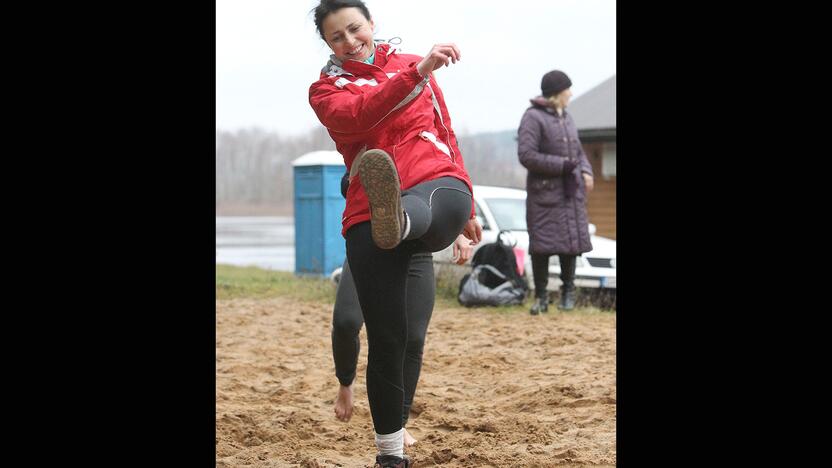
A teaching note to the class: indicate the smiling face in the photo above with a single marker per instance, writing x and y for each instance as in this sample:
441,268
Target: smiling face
349,34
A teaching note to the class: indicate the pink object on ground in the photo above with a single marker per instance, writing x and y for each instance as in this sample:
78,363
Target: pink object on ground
520,257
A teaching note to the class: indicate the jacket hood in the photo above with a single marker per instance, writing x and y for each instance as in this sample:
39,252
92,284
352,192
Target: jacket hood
540,101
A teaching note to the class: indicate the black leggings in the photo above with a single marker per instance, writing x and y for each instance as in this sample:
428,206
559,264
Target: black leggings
540,269
347,322
438,210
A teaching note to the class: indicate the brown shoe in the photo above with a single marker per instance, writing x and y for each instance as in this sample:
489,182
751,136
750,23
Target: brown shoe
380,180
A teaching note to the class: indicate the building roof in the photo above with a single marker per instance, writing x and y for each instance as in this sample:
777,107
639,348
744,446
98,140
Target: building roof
320,158
594,110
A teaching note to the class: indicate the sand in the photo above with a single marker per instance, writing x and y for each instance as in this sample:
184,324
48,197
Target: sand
497,389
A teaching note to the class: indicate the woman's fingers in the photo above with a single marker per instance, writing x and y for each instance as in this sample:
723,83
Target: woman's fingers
446,54
468,251
473,231
477,231
441,55
450,49
462,251
441,58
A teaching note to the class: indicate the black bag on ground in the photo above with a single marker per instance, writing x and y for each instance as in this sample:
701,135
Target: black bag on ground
494,279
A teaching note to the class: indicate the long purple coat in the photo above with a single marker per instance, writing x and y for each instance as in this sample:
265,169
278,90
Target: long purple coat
557,223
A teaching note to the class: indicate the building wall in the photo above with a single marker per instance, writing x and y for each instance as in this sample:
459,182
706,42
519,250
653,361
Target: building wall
601,201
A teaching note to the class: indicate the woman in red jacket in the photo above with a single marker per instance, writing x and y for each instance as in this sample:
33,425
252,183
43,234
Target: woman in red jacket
409,191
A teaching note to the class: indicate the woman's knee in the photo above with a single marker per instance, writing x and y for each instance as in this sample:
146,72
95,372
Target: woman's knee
346,324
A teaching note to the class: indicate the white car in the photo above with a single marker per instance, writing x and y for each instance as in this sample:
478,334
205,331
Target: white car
504,209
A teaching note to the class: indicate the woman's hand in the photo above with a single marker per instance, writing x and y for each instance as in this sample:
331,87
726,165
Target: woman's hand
589,182
440,54
462,250
473,231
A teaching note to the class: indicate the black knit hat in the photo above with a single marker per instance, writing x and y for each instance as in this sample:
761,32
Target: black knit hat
554,82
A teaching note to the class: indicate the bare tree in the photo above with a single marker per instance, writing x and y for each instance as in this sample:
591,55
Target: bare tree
253,166
491,159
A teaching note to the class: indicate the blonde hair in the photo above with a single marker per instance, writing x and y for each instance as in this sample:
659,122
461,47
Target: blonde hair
556,102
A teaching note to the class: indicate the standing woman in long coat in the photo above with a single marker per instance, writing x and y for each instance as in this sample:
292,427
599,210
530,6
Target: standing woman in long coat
557,183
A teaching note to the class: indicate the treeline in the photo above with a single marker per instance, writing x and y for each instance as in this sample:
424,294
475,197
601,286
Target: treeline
253,166
491,159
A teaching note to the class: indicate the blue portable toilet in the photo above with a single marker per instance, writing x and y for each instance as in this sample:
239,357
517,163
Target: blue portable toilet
319,206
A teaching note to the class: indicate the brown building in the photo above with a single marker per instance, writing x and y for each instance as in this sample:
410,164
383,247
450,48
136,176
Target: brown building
594,114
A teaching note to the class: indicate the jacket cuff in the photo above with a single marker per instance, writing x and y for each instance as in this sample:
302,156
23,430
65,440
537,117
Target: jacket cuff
415,72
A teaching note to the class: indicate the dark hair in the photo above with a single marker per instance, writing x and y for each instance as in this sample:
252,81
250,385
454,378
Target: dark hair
331,6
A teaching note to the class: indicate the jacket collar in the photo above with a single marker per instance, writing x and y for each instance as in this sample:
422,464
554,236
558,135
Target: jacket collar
542,103
336,67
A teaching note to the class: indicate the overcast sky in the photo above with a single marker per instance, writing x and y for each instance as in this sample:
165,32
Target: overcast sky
269,52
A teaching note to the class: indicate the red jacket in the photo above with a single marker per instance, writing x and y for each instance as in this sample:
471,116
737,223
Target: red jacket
387,106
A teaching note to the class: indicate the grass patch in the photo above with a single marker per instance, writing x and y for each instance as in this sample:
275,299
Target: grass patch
233,282
589,301
447,281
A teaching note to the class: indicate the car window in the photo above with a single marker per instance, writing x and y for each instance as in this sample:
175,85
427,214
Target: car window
480,216
509,213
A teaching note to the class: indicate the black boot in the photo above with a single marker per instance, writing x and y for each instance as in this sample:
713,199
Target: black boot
391,461
567,289
541,305
540,269
567,298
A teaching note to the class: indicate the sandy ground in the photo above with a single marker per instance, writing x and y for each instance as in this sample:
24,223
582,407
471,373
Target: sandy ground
497,390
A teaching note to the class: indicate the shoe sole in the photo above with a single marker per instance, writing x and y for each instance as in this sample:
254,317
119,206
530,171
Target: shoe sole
380,180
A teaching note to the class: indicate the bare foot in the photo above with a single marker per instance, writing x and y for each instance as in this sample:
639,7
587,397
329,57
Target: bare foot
343,403
408,439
